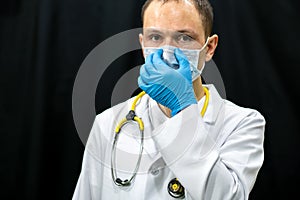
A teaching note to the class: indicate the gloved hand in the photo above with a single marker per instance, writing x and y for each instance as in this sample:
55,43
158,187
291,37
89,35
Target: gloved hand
170,87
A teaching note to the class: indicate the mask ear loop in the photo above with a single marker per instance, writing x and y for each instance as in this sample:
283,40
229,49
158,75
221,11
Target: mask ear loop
205,45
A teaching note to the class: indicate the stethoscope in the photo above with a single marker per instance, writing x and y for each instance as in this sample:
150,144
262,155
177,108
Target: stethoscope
175,189
130,117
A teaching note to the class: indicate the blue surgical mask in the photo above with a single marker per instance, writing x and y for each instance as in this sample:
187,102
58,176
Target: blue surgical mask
192,55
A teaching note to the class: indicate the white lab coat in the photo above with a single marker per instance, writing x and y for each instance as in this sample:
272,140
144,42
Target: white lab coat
216,157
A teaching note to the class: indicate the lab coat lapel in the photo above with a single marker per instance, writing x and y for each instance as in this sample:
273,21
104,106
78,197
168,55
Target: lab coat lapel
214,105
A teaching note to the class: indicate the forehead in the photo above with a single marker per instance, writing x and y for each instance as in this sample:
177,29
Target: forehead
173,15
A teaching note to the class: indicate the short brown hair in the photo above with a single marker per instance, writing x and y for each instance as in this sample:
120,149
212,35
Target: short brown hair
204,8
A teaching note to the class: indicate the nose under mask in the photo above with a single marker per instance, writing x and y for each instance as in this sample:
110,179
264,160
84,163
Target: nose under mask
170,59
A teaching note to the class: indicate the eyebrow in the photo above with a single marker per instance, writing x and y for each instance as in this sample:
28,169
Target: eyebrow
187,31
184,31
153,30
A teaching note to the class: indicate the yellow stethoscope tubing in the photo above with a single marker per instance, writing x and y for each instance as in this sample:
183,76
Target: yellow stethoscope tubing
136,99
207,95
136,118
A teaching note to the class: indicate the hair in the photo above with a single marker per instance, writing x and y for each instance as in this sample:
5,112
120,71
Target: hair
204,8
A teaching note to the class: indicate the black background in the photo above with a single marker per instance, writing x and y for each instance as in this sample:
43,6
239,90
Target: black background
43,43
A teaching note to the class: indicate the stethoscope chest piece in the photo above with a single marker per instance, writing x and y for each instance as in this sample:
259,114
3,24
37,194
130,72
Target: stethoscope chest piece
175,189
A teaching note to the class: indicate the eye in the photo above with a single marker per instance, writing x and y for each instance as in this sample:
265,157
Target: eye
184,38
155,37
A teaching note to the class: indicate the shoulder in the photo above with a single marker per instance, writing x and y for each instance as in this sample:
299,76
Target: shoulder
230,111
104,125
235,111
244,121
232,118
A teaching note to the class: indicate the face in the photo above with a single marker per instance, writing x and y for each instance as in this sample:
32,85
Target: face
176,23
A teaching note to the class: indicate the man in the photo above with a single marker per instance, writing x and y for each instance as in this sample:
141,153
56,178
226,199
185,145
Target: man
196,144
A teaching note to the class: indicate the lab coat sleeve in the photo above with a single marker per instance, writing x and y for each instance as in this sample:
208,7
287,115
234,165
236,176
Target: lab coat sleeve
205,169
90,180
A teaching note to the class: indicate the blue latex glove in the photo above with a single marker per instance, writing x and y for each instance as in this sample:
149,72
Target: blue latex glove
170,87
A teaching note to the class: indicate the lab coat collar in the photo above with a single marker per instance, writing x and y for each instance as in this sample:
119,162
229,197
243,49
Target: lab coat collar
157,117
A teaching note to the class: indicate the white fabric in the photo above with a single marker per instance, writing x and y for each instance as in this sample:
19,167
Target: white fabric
216,157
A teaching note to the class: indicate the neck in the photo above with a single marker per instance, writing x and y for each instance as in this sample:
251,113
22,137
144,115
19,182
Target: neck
199,93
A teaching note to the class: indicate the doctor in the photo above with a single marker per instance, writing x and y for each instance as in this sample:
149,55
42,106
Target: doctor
182,140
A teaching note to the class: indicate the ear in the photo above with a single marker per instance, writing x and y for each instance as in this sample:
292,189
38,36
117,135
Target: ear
211,47
141,43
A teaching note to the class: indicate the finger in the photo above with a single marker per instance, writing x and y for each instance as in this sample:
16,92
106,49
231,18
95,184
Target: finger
149,58
144,86
146,69
141,83
181,58
147,72
157,60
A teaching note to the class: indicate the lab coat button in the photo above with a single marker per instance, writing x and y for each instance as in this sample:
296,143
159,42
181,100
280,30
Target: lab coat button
155,172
